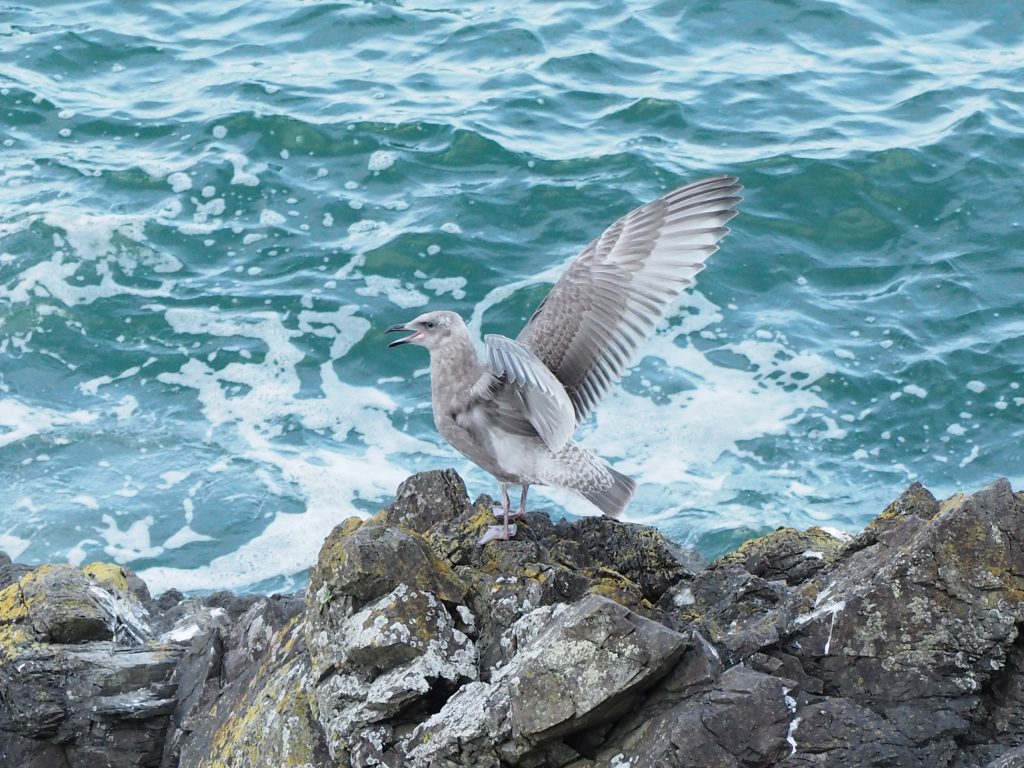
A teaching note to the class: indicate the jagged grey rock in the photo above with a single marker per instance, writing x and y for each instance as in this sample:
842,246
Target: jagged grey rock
574,667
74,688
900,647
397,650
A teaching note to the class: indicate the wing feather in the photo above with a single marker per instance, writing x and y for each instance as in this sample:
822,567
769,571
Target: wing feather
539,395
591,325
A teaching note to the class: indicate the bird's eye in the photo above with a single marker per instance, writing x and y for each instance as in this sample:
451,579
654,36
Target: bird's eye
428,324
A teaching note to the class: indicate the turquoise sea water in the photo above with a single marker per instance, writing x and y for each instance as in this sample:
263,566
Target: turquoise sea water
209,211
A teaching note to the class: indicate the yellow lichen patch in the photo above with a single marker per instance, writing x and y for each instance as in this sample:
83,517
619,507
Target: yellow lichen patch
11,636
350,525
533,571
951,503
343,530
786,540
108,576
619,593
915,501
616,587
13,617
290,632
479,522
332,554
438,564
12,604
28,592
271,725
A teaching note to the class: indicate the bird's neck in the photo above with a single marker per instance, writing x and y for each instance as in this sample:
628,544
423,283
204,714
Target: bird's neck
454,368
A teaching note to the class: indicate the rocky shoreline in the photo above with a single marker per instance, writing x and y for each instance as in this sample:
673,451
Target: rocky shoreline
595,644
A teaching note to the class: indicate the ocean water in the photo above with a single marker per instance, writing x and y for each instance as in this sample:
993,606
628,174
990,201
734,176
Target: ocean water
209,212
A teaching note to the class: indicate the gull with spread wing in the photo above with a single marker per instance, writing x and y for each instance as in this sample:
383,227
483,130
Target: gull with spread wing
515,412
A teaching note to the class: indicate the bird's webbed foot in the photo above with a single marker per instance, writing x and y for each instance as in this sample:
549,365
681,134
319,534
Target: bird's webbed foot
497,533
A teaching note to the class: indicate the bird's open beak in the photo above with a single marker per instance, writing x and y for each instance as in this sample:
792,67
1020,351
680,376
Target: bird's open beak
407,339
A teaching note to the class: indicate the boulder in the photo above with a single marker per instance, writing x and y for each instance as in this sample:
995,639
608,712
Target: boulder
388,664
359,563
573,669
79,672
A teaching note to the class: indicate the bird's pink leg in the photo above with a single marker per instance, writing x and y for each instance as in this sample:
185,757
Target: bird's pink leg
501,532
505,509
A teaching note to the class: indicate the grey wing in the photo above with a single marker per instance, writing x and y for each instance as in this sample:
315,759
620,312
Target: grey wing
521,388
607,304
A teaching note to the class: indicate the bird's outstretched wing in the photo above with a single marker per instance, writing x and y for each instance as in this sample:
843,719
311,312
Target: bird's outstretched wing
607,304
521,388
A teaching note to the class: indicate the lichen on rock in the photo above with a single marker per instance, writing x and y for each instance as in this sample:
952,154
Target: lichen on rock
586,644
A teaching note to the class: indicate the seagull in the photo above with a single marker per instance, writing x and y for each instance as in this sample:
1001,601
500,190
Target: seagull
514,412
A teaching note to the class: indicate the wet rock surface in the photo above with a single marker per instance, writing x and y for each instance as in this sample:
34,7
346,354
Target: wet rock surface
592,644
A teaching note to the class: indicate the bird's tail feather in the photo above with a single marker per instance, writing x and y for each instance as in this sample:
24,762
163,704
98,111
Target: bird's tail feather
612,499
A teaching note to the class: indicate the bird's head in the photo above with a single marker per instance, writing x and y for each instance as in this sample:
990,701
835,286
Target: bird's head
431,329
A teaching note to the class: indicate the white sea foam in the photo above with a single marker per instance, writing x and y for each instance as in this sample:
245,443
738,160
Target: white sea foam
77,554
269,218
179,182
394,290
971,456
129,544
102,240
442,285
172,477
13,545
246,174
367,234
124,408
212,208
801,489
19,421
185,536
91,386
328,478
381,160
